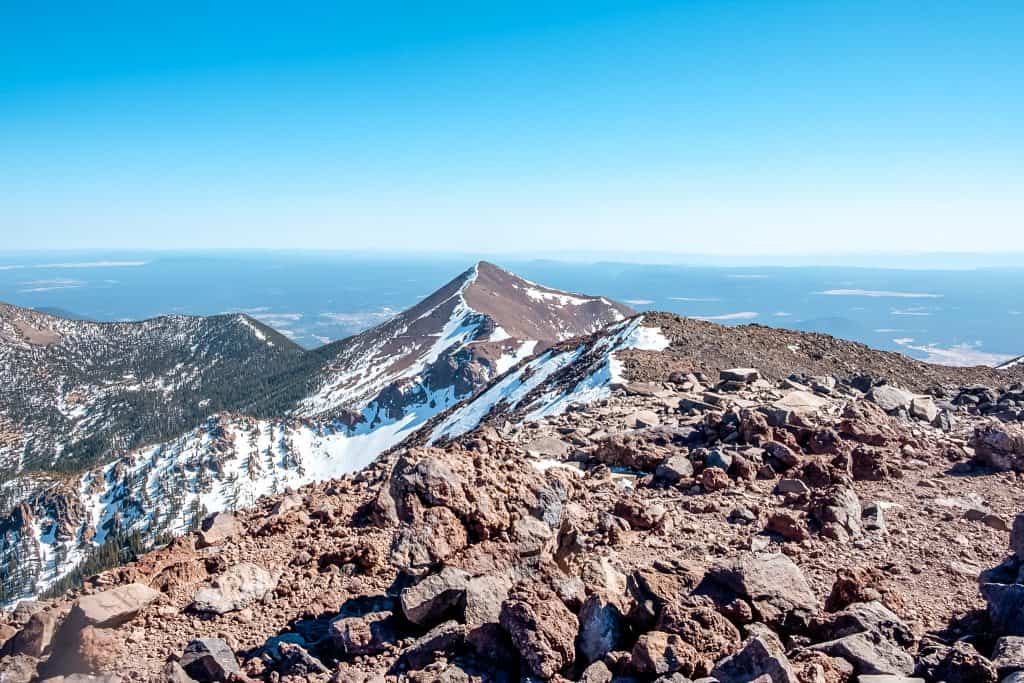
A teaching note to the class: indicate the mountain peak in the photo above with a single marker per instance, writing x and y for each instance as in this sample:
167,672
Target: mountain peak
527,310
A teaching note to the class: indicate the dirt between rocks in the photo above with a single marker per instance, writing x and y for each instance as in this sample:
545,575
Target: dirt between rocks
684,527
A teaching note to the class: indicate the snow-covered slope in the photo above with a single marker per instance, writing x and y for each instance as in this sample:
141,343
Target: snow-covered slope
73,393
558,378
1012,363
363,396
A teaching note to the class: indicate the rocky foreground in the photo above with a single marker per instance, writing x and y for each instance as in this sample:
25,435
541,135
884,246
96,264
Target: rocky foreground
692,526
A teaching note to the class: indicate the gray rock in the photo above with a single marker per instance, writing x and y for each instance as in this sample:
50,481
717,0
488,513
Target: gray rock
863,617
772,583
644,418
238,587
791,486
18,669
756,658
924,409
548,447
209,659
1017,536
598,672
600,628
782,454
1008,655
891,399
719,459
35,637
675,468
1005,607
886,678
289,502
873,518
435,597
870,653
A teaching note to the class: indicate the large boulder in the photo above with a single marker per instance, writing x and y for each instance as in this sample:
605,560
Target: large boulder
542,629
435,597
484,595
700,625
958,663
772,583
113,607
239,587
999,445
870,653
35,637
1005,607
438,535
891,399
1008,655
217,528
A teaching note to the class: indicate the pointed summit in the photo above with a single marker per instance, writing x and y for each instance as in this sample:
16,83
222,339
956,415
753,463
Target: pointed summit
473,328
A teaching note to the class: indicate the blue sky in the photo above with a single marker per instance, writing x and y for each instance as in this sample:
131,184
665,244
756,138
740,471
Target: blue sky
713,127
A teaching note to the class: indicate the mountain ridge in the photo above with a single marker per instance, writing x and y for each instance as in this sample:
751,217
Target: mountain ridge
347,402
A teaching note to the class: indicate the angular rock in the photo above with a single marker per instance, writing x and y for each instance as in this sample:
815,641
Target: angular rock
863,617
675,468
745,375
442,639
794,486
435,538
1005,607
1008,655
296,661
35,637
217,528
368,634
891,399
113,607
657,653
639,513
598,672
209,659
773,584
1017,536
18,669
484,595
1000,446
757,658
870,653
600,628
240,586
435,597
960,663
700,625
924,409
644,418
543,630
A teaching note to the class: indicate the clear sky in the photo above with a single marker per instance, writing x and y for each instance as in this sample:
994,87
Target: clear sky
722,126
